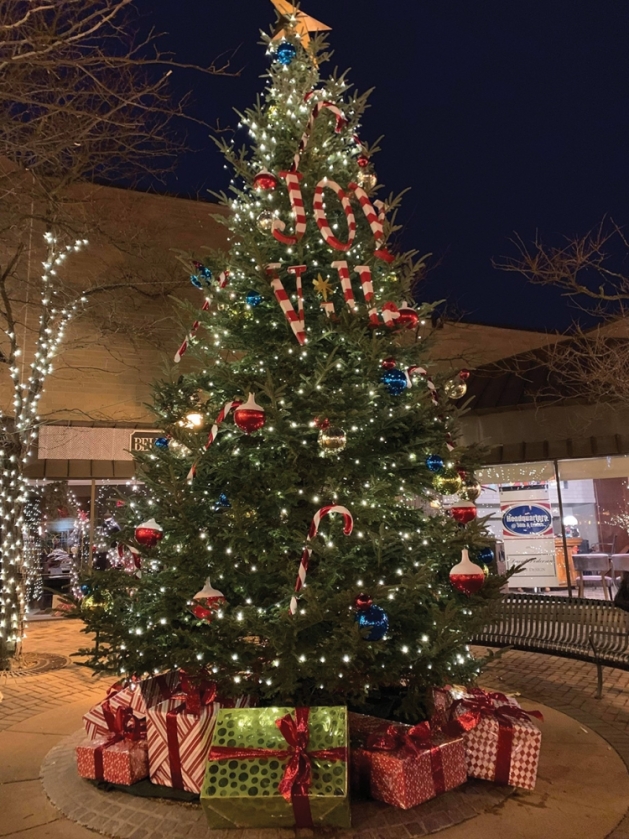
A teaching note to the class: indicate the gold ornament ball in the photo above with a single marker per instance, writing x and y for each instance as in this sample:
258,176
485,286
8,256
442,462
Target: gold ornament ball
273,109
93,602
366,179
332,440
471,491
265,221
448,484
455,389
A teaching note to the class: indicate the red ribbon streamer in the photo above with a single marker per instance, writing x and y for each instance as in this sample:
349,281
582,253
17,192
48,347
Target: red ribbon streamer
415,741
297,778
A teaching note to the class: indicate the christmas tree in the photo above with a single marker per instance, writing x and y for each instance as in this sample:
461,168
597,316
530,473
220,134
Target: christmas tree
304,449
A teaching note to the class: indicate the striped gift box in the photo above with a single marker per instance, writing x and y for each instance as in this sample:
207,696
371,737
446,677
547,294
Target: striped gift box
139,696
178,742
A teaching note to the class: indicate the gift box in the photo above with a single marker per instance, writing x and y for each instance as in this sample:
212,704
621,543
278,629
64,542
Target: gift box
361,727
278,767
179,731
405,765
502,744
126,762
138,695
126,738
89,757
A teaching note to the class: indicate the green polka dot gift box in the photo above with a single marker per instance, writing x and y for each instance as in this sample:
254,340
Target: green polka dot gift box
278,767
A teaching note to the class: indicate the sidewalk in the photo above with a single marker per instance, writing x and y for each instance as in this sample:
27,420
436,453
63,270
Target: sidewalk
583,791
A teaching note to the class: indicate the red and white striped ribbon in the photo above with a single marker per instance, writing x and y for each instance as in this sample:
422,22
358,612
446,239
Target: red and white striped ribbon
297,323
340,123
364,272
183,348
346,283
297,204
322,219
390,313
227,407
429,382
348,526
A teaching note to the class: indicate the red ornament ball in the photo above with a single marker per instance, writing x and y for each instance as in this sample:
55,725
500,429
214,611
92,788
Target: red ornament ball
362,160
464,375
362,601
148,533
249,417
467,577
264,180
463,512
207,602
389,363
408,318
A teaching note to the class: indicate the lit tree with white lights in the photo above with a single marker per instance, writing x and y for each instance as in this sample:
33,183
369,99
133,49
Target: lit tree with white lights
289,546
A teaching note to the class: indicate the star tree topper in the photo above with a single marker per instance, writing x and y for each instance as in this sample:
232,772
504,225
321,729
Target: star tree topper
296,20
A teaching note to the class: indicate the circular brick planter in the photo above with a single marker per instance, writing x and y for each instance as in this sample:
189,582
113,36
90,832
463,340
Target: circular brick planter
131,817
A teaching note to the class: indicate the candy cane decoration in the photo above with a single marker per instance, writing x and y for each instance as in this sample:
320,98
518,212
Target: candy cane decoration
296,322
297,271
390,313
348,526
341,121
227,407
375,220
364,272
297,204
322,220
346,283
223,279
183,348
429,382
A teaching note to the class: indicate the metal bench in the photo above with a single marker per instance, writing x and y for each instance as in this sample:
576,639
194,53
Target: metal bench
587,630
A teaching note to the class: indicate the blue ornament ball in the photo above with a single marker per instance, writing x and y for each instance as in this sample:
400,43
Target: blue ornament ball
86,589
196,282
285,53
376,620
434,463
222,503
162,442
395,381
253,298
485,555
205,272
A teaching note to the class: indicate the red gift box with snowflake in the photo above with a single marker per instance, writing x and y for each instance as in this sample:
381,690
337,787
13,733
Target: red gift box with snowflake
502,744
179,731
404,765
137,694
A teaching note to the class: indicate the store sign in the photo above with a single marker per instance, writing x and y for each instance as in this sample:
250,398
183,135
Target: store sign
527,520
143,441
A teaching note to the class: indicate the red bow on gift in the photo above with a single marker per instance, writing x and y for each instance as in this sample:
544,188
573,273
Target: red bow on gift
416,740
195,696
297,777
123,723
481,703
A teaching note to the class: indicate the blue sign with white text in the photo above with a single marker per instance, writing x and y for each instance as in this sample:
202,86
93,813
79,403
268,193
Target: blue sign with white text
527,520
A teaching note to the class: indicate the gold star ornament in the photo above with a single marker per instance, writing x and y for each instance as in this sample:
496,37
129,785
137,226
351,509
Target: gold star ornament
296,21
322,287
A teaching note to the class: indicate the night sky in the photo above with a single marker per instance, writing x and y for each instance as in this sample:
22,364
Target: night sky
500,117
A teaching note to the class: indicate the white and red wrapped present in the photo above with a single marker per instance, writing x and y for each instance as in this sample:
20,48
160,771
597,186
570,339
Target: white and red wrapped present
179,731
139,695
501,742
405,765
126,733
126,762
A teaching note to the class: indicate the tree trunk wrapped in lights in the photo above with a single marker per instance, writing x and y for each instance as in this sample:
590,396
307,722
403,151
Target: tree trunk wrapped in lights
303,494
